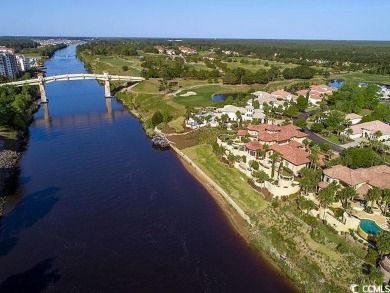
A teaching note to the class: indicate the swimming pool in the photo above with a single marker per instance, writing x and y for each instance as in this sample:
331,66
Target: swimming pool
370,227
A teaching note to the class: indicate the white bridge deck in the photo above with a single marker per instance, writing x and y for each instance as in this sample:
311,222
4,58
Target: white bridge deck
77,76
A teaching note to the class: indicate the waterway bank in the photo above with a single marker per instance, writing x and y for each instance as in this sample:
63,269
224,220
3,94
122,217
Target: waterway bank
236,220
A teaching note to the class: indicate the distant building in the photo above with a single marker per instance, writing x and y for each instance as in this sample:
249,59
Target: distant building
322,89
247,114
23,63
160,49
187,50
170,52
8,63
281,94
266,98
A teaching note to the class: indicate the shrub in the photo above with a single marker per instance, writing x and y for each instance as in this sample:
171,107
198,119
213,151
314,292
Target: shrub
342,248
317,127
255,165
157,118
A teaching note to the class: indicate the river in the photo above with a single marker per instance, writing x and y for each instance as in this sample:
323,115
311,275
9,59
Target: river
96,209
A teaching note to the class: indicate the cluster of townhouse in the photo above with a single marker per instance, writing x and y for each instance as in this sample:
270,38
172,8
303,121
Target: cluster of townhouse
11,65
213,116
170,52
315,95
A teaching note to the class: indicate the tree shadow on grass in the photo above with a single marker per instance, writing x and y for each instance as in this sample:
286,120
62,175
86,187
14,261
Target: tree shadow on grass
33,280
26,213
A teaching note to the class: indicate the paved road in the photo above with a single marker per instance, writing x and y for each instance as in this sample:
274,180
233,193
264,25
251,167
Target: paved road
313,136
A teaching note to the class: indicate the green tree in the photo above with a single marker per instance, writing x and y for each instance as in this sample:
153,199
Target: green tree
305,204
385,200
360,158
383,243
317,127
327,195
274,157
292,111
302,103
372,257
255,165
125,68
345,195
157,118
301,123
336,120
376,275
262,176
373,195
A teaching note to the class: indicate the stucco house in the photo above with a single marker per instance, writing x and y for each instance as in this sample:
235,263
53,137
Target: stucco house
247,114
286,140
281,94
369,130
362,179
353,118
267,98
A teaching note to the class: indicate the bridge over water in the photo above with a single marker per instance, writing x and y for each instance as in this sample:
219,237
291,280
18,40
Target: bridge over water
42,80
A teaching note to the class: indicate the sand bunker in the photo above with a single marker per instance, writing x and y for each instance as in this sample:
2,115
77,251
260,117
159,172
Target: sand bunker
187,94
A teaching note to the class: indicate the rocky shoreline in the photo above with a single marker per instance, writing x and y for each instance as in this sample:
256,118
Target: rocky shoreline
8,168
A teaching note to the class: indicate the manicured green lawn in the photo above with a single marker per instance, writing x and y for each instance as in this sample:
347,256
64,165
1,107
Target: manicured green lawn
117,62
202,99
362,77
229,179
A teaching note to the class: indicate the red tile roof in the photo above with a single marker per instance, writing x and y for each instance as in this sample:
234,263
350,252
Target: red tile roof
322,88
254,145
378,176
242,132
295,144
295,156
372,126
302,93
283,94
275,133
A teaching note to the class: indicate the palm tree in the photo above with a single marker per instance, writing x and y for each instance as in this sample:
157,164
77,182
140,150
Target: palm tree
327,194
315,151
385,200
239,117
274,157
345,195
373,195
306,143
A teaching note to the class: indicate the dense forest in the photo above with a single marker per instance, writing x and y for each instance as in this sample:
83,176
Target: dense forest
15,106
18,43
373,57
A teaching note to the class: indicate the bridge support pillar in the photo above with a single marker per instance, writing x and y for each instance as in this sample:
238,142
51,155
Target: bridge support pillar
107,90
42,88
43,93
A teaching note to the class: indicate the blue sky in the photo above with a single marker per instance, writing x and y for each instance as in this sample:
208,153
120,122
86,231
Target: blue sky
283,19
